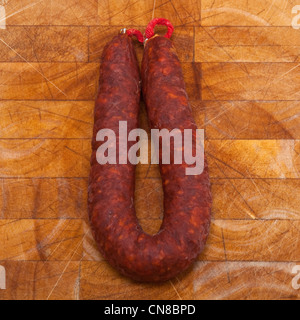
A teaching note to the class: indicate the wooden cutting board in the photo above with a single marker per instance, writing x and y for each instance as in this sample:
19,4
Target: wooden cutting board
242,70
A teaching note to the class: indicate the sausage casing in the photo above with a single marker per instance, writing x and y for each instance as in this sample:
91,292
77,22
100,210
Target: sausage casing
187,199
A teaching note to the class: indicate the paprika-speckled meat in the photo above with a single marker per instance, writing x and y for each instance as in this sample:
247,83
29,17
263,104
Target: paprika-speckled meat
187,199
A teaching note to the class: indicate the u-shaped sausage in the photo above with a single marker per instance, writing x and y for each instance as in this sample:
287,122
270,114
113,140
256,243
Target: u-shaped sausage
187,199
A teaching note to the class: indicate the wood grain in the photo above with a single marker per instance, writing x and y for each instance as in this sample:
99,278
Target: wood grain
43,198
48,81
245,159
100,281
41,239
244,280
247,44
249,13
275,120
44,44
256,199
253,240
65,81
54,12
41,280
46,119
254,158
250,81
130,12
44,158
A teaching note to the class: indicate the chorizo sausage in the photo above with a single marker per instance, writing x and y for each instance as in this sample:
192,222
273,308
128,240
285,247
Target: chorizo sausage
187,199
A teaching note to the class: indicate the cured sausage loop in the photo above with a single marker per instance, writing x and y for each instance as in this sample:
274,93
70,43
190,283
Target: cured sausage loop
187,199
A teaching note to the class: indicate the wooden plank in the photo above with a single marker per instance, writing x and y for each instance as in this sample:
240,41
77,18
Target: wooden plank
44,158
66,81
41,239
211,280
247,54
247,36
122,13
36,280
246,44
54,12
264,240
43,198
96,12
44,44
246,13
99,281
46,119
48,81
183,39
250,81
256,199
253,158
129,12
264,120
244,281
227,159
63,119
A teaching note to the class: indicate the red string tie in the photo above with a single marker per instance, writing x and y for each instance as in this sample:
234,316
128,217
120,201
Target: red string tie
134,33
149,33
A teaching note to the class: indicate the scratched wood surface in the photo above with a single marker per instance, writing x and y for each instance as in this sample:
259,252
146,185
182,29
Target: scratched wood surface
241,65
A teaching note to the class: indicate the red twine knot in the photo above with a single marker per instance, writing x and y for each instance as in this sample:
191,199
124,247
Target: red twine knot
149,33
135,33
